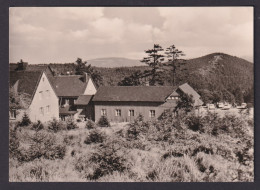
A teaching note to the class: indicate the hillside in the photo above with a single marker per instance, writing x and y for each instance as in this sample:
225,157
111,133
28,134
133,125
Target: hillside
111,62
216,76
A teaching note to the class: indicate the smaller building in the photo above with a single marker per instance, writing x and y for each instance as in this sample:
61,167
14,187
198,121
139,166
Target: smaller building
75,93
35,88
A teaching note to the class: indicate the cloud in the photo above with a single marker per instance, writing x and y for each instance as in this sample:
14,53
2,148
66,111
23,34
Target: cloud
61,34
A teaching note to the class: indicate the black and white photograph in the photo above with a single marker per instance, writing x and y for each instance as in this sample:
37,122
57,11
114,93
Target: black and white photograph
131,94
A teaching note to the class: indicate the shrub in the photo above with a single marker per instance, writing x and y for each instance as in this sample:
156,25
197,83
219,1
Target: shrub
132,131
107,160
103,122
25,120
71,124
195,123
55,125
13,143
44,145
95,136
37,126
139,118
90,124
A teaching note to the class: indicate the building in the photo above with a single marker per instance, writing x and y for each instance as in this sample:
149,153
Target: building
125,103
74,92
42,101
187,89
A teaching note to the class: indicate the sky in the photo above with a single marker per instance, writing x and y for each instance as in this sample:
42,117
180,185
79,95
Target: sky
62,34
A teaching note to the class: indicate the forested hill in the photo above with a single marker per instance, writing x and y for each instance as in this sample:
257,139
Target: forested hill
216,76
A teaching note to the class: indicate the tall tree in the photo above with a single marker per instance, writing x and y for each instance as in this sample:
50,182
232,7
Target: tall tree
81,67
173,54
185,103
154,60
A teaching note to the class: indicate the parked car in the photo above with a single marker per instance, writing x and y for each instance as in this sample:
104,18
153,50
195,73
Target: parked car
211,106
243,106
226,107
220,105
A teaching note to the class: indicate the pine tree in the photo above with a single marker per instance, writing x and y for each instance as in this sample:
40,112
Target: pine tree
154,60
173,54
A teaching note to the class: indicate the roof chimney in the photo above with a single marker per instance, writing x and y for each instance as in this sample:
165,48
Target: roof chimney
85,77
22,65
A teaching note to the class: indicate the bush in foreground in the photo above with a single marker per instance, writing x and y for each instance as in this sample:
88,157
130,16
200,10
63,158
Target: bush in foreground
25,120
71,124
103,122
90,124
37,126
95,136
55,125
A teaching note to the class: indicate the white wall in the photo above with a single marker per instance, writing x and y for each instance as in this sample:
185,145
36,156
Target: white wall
44,101
90,89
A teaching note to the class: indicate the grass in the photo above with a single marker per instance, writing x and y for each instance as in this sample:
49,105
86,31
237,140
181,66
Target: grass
163,151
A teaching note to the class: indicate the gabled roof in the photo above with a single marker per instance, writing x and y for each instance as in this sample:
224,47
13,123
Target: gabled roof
69,85
187,89
133,93
27,81
83,99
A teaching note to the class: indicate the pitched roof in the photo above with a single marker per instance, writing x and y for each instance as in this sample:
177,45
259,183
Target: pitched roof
69,85
27,81
133,93
83,99
186,88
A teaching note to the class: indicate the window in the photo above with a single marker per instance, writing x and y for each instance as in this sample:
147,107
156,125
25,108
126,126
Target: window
43,79
67,101
41,95
48,109
152,113
103,112
48,94
12,114
42,110
118,112
131,113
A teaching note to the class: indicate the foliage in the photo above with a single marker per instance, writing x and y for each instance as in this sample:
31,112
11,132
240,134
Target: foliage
95,136
71,124
108,159
55,125
13,142
153,60
132,80
103,122
42,144
90,124
25,120
37,126
81,67
177,148
185,102
173,54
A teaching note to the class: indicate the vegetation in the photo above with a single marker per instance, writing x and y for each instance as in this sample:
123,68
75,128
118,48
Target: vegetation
25,120
81,67
103,122
187,147
173,54
154,59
